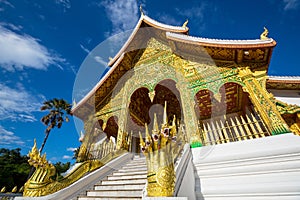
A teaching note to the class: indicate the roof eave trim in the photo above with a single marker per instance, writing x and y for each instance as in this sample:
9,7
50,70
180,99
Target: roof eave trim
97,86
111,62
219,42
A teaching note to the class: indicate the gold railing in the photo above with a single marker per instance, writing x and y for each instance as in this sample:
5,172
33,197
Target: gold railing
232,128
98,151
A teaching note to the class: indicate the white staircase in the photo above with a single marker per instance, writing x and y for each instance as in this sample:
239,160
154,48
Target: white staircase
125,183
266,168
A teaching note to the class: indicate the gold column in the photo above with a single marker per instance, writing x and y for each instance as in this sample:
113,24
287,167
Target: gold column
261,100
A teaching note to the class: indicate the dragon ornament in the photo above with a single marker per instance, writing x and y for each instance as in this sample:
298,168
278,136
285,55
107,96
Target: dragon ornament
157,149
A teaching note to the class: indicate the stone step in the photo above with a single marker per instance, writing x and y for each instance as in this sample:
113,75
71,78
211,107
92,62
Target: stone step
124,173
120,193
122,182
144,169
109,198
135,163
127,177
120,187
135,167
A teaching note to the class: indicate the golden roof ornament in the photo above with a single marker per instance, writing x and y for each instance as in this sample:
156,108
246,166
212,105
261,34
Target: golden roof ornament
184,25
141,10
264,35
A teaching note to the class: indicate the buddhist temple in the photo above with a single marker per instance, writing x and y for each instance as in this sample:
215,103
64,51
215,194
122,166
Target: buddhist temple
184,117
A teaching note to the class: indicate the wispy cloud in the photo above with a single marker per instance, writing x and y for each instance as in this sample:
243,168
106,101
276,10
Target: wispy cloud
85,49
167,19
11,26
122,14
71,149
193,12
67,157
100,60
66,4
17,104
7,3
23,51
290,4
9,138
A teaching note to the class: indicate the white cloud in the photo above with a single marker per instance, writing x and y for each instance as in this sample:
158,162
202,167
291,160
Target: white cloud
8,137
193,12
17,104
5,2
167,19
290,4
122,14
101,60
85,49
71,149
65,3
20,51
67,157
11,26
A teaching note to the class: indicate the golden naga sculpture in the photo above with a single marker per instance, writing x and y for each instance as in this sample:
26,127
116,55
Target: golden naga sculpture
157,149
42,175
43,180
264,35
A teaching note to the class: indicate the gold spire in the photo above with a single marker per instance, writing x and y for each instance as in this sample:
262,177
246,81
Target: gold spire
264,35
165,117
155,129
142,143
148,139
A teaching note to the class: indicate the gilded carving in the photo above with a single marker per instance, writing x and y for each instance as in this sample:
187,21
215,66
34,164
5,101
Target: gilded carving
157,149
42,181
262,102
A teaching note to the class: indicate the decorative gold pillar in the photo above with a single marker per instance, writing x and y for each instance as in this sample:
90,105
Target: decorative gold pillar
261,100
190,119
123,115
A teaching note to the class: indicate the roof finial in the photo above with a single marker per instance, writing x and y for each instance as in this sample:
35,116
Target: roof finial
184,25
141,10
264,35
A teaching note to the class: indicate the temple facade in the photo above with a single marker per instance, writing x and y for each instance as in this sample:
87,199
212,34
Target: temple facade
217,89
165,87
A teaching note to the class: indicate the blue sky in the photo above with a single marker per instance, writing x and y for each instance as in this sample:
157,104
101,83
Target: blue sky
44,43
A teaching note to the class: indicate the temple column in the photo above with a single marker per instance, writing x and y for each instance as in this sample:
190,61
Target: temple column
261,100
122,127
190,118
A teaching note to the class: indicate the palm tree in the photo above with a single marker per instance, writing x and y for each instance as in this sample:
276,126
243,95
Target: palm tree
55,118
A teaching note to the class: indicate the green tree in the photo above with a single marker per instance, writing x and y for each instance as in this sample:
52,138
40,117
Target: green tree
59,109
14,168
61,168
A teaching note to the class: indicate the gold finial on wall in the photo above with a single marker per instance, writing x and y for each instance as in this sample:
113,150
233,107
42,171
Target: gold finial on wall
141,10
264,35
184,25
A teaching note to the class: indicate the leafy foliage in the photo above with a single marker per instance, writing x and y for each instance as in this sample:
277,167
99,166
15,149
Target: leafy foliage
61,168
14,168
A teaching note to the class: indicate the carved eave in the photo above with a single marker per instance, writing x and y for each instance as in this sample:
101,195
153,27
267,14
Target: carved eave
283,82
146,21
254,53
